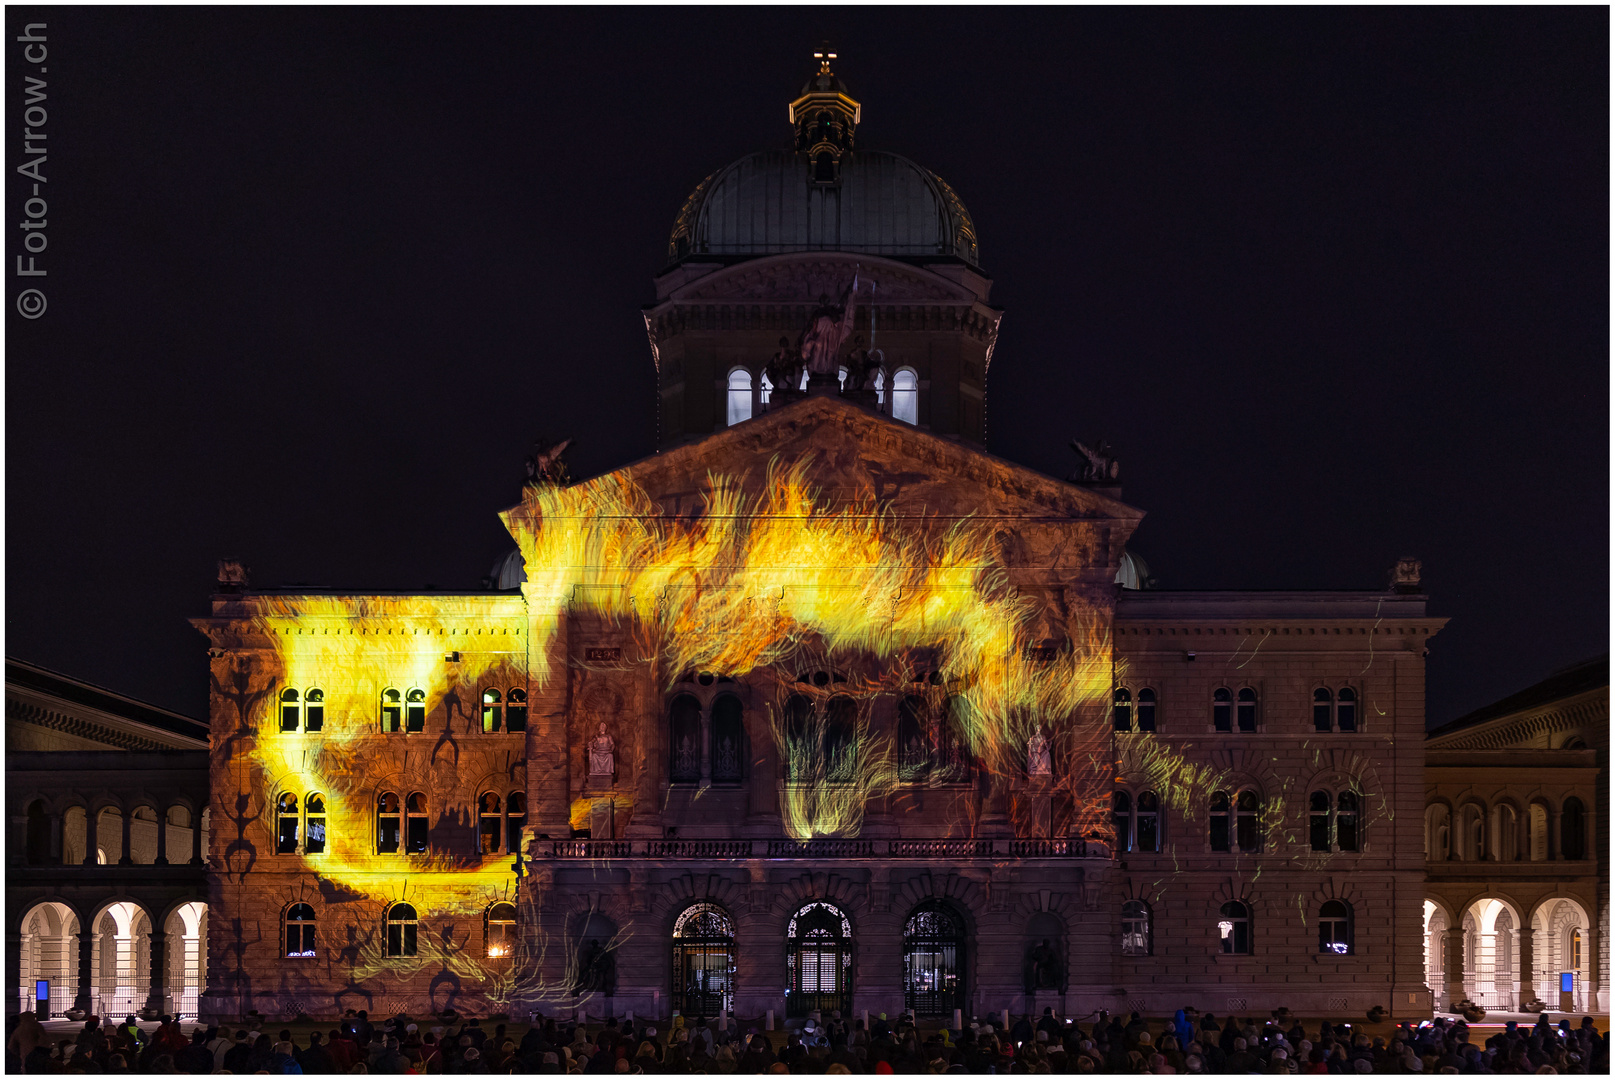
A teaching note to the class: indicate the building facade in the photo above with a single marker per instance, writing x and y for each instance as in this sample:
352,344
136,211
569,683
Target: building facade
1516,799
106,890
822,706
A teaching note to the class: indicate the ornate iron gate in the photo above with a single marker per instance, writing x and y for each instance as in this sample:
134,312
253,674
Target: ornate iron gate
703,961
818,940
933,961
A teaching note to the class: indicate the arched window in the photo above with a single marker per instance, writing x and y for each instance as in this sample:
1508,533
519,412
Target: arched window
389,823
1573,830
515,821
501,932
1122,709
516,710
290,712
1346,838
286,824
1323,710
1575,949
684,742
799,751
1538,815
1146,710
1437,832
1221,811
1138,935
703,961
1121,816
401,930
1247,822
739,396
415,824
933,961
492,712
952,760
913,740
728,739
906,396
314,829
1222,709
490,823
1247,710
314,710
392,710
819,954
38,836
415,710
300,930
1334,927
1505,832
1346,709
840,740
1147,833
1320,806
1234,927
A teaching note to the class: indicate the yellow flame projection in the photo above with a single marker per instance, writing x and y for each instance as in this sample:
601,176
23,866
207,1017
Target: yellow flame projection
750,582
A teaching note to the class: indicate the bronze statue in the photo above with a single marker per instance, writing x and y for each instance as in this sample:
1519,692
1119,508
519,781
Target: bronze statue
821,341
545,466
1044,968
1100,465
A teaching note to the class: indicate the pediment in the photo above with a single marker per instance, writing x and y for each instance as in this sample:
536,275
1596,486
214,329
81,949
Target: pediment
856,452
803,277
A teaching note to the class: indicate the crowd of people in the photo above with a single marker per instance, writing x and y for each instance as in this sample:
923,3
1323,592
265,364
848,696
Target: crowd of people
1188,1043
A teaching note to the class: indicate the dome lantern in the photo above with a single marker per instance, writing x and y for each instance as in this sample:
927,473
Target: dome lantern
825,119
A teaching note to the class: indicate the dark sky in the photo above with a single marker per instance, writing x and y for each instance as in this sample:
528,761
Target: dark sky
1333,282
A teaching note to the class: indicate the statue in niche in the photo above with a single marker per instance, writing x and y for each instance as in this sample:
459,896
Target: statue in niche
821,341
1039,761
602,754
597,973
1044,968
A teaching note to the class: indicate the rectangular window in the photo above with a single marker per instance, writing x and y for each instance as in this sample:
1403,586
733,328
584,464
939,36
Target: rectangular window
387,835
1249,838
314,715
1320,831
1346,827
315,843
416,841
1247,716
1346,714
490,835
1219,832
1222,715
401,939
286,842
1147,840
516,714
1320,716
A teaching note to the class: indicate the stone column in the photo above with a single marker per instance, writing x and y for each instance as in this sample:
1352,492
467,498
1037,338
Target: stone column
14,1000
196,838
127,859
1527,966
162,839
158,977
1455,966
92,834
85,997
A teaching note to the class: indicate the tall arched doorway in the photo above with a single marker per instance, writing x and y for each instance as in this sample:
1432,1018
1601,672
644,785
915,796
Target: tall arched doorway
50,954
1491,954
1435,952
818,940
703,961
934,960
186,952
1560,936
121,965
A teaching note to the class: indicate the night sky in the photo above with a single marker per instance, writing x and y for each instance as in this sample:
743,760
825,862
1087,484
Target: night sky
1334,283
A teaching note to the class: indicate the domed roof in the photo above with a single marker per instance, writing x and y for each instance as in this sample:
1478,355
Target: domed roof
767,203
